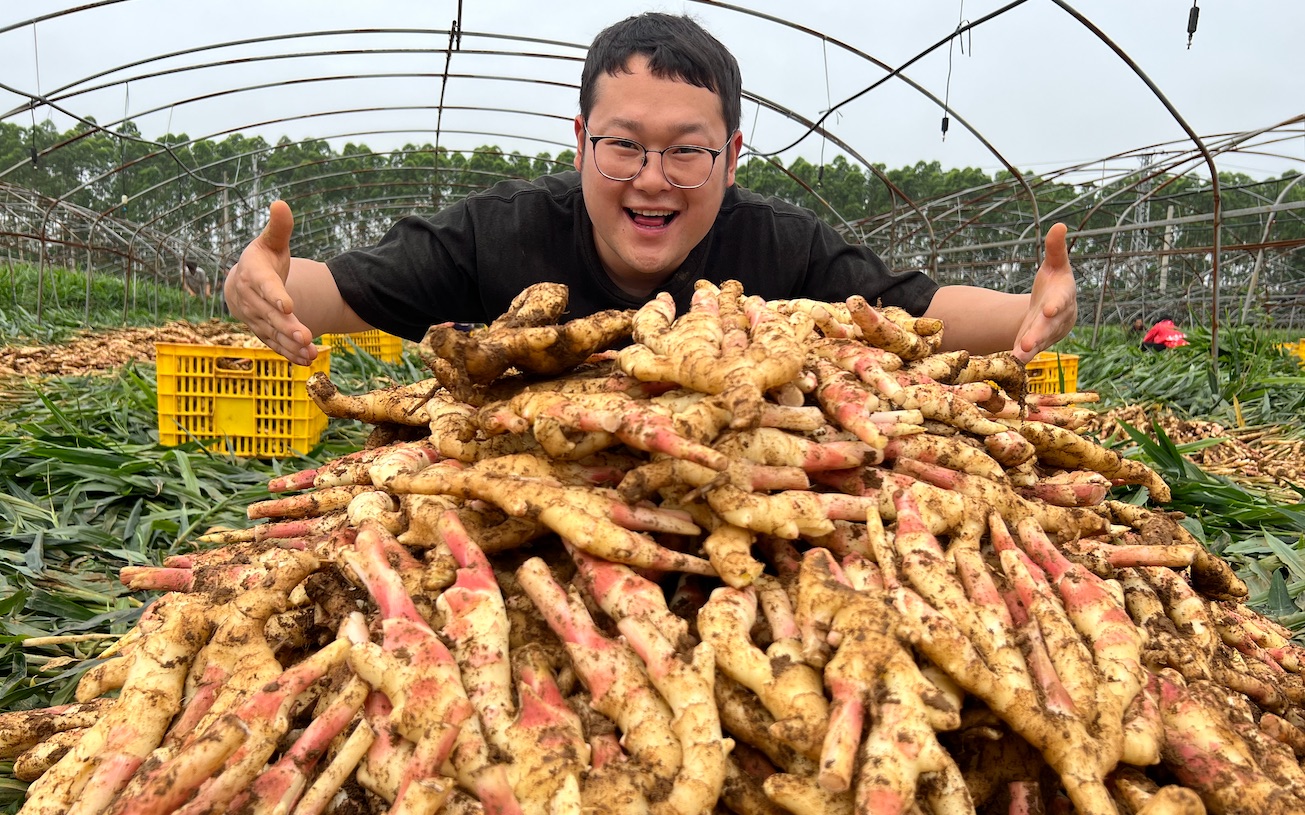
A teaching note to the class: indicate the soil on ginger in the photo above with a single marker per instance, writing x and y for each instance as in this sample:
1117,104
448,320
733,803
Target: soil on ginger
98,351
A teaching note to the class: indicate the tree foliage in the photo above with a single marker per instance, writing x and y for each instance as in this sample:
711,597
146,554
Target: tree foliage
216,189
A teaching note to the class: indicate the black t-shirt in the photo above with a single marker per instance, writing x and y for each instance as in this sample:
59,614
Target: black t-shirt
467,262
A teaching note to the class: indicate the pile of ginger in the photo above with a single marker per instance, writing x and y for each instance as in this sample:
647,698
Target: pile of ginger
760,557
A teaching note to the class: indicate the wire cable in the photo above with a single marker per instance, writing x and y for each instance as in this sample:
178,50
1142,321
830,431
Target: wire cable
947,87
893,73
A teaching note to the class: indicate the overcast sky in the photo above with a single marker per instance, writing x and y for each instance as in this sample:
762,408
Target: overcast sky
1040,87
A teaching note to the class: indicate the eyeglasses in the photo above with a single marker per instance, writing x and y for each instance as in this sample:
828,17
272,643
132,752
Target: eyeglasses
686,166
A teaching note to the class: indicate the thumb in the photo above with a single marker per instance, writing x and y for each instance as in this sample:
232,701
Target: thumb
1057,256
280,224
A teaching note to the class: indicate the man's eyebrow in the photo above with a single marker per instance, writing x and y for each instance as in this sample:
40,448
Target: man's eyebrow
695,128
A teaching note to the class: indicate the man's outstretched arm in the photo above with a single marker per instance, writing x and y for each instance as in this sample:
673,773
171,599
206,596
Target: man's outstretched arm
285,300
984,321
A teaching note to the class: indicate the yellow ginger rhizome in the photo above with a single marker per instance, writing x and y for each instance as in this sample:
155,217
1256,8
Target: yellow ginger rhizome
758,557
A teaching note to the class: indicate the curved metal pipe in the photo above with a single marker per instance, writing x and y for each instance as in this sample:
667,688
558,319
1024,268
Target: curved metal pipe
1200,145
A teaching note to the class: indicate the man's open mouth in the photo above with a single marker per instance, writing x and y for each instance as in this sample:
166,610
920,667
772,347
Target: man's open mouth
651,217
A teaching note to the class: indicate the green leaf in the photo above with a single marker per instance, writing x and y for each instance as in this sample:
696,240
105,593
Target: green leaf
10,605
1279,601
1289,557
34,557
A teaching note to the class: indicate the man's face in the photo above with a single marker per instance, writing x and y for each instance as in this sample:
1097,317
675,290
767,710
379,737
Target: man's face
645,228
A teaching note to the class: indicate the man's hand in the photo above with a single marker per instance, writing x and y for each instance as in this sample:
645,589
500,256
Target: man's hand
256,289
1053,303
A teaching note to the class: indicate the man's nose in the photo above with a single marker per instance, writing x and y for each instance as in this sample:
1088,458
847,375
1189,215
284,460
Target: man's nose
652,179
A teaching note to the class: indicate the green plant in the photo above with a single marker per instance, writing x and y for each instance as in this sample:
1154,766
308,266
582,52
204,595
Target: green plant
1261,533
50,306
1254,382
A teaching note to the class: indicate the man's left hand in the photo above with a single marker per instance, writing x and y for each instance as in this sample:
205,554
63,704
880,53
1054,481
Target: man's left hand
1053,303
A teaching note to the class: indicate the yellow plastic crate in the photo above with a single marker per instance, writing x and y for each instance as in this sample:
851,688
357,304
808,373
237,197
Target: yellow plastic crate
385,347
1045,371
249,402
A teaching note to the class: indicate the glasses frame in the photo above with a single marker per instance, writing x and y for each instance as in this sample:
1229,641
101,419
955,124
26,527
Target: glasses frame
715,154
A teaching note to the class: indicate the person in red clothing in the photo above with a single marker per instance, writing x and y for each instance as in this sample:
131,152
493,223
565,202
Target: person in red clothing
1163,335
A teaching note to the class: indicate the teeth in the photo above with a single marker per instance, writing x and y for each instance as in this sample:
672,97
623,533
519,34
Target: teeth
654,213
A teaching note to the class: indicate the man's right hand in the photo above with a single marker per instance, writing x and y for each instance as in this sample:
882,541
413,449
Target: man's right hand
256,289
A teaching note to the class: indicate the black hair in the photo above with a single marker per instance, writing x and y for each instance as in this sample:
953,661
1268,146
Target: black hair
677,47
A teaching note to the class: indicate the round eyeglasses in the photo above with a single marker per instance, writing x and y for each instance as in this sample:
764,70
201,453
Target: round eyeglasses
686,166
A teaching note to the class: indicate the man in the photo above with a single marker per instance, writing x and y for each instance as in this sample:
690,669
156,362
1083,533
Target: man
194,280
651,207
